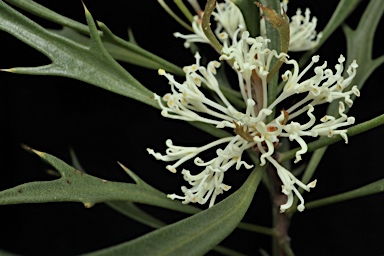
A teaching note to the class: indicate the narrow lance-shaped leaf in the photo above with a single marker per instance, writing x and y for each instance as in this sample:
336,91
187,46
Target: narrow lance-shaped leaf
197,234
370,189
76,186
130,210
206,25
92,65
174,15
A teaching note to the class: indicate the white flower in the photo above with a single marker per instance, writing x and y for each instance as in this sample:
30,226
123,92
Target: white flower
302,30
197,37
251,60
251,55
229,19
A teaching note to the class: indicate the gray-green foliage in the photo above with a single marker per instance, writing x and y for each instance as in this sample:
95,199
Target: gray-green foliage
198,234
77,186
92,64
93,60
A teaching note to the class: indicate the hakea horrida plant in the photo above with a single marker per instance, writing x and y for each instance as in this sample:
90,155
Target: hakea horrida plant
255,128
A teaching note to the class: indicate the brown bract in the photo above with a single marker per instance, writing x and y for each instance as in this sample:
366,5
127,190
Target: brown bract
243,132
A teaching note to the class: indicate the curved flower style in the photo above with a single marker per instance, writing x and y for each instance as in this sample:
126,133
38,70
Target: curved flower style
252,130
303,35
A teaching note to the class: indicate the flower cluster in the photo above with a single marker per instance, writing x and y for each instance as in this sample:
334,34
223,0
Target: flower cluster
228,17
255,128
302,30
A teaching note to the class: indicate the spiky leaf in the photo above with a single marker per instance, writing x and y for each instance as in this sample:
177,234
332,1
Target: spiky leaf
197,234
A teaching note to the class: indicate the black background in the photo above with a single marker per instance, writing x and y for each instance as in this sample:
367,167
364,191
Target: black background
52,114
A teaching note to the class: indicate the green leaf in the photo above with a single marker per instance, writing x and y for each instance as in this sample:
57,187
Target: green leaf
127,48
206,25
226,251
275,22
122,53
126,208
117,52
251,14
174,15
343,9
43,12
130,210
5,253
360,42
184,10
197,234
91,64
76,186
370,189
359,47
257,229
131,37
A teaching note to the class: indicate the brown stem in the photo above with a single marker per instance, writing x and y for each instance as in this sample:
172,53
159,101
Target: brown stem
281,221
